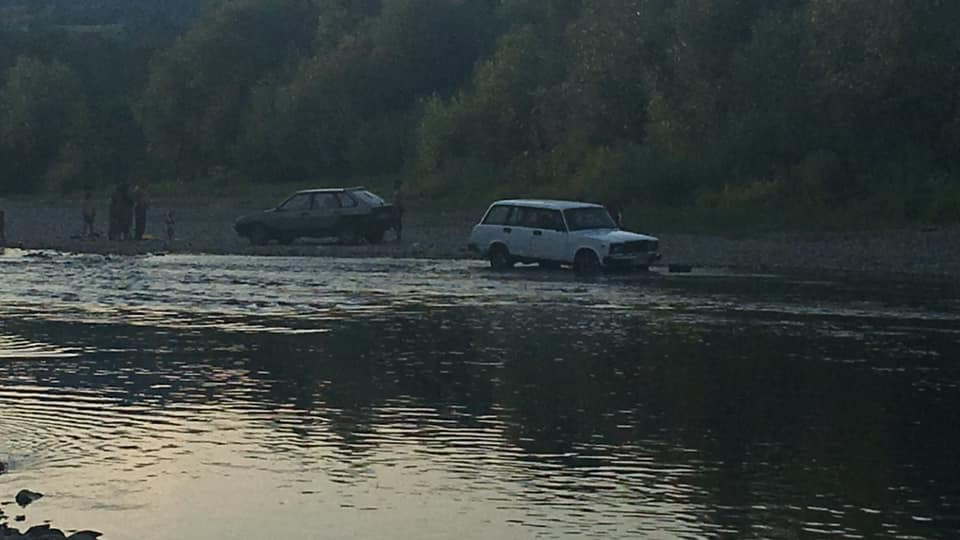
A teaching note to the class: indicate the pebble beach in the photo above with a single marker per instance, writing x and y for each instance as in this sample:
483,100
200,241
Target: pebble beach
199,228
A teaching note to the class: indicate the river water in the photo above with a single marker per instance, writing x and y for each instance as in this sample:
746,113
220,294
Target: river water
240,397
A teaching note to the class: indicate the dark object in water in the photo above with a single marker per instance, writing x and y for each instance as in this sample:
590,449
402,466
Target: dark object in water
680,268
25,497
44,532
85,535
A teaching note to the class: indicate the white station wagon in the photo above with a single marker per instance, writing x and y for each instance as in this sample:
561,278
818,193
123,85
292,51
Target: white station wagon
554,233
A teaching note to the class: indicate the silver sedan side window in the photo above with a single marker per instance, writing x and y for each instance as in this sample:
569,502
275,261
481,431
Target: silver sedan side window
346,201
297,202
326,201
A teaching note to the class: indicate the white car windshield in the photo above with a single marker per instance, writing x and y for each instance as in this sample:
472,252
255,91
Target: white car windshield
590,217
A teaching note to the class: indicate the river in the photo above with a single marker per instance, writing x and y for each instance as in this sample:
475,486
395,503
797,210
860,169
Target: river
197,396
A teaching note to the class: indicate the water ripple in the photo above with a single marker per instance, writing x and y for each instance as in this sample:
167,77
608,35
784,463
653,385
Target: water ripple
424,397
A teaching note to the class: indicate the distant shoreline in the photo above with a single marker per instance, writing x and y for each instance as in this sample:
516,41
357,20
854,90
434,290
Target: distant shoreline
907,253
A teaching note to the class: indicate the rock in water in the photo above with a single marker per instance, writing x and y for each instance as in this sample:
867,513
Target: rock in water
84,535
25,497
44,532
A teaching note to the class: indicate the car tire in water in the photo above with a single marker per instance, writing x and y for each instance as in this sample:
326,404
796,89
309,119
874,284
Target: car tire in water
500,257
586,263
374,236
348,236
259,235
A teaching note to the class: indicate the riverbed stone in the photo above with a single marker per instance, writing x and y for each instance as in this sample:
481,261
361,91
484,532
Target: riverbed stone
9,533
44,532
85,535
25,497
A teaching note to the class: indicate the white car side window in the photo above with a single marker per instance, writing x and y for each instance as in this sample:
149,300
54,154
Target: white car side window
519,217
498,215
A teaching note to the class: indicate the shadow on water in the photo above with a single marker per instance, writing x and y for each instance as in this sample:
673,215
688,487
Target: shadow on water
690,406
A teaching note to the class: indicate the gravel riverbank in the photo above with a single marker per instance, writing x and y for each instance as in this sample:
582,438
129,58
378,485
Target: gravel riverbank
208,229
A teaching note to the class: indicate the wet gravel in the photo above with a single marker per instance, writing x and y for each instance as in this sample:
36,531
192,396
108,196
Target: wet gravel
442,235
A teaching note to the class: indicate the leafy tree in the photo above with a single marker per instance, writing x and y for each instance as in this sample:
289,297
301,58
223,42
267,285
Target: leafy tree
198,90
43,120
773,103
350,108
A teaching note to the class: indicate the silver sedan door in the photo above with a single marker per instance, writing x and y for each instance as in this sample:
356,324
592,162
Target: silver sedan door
292,216
326,214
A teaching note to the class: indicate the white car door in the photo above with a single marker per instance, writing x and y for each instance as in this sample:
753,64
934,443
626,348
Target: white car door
548,236
491,227
516,234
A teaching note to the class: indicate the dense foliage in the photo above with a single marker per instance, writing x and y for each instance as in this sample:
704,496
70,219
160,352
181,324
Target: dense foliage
763,105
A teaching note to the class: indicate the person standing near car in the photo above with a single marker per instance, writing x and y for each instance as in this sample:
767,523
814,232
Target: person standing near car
116,209
613,208
398,204
89,213
140,205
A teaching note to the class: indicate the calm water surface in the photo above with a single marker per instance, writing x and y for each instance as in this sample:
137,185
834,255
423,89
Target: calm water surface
229,397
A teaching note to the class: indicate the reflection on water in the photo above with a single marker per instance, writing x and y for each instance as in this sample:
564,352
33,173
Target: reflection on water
215,397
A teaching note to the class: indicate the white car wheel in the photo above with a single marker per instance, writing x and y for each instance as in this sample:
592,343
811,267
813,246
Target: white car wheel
500,257
586,263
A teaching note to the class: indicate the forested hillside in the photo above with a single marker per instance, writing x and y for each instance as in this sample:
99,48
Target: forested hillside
764,105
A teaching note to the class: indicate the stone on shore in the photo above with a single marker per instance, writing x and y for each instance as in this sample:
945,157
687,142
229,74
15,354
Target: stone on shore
44,532
25,497
85,535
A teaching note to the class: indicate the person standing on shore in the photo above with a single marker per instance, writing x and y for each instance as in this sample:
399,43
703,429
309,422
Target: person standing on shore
170,223
140,205
121,213
89,212
398,203
126,211
113,215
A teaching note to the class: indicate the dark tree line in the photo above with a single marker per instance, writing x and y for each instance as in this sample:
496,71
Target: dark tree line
766,104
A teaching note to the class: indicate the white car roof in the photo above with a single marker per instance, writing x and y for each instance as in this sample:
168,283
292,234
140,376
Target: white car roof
547,203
